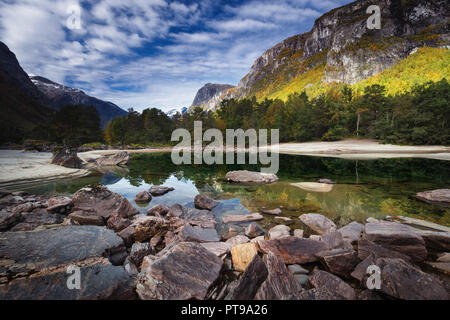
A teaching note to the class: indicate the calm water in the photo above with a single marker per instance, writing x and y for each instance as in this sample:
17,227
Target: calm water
367,188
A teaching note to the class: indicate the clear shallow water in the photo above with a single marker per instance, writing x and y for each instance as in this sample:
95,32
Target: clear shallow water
367,188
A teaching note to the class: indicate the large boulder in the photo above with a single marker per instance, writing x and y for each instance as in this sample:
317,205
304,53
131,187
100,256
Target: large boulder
68,159
439,197
280,283
318,223
331,286
250,177
37,218
118,159
184,271
104,203
35,264
293,250
340,261
398,237
204,202
401,280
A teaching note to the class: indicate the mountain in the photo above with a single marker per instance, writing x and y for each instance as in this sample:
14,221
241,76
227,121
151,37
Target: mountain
58,95
172,112
21,103
341,49
210,92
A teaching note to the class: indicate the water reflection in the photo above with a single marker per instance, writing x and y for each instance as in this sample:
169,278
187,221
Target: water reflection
365,188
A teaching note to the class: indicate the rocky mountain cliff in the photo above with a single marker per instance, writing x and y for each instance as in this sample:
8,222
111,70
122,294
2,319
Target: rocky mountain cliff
21,103
58,96
210,91
340,47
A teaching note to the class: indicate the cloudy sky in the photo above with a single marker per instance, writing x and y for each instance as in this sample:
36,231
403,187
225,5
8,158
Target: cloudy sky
149,53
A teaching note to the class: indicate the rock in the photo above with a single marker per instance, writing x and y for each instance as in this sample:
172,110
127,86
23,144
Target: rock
139,251
201,218
285,219
103,202
239,239
160,190
280,283
302,279
198,234
297,269
9,219
404,281
298,233
438,197
37,218
143,197
119,159
117,223
315,237
86,218
254,230
156,240
326,181
170,238
35,264
334,240
444,257
175,211
255,240
319,223
127,235
145,229
273,212
352,232
252,278
68,159
130,268
443,267
232,232
250,177
220,249
372,220
25,207
159,210
367,248
183,272
293,250
434,240
242,218
279,231
313,186
4,193
204,202
340,262
419,223
243,254
397,237
59,204
332,285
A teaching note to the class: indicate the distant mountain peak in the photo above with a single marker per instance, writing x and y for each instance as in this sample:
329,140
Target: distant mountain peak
209,91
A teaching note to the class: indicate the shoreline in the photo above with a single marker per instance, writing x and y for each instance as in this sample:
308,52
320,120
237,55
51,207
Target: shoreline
20,167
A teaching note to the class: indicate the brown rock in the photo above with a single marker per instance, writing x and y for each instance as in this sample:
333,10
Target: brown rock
143,197
157,191
273,212
119,159
204,202
252,278
352,232
86,218
159,210
147,228
293,250
68,159
435,240
220,249
102,202
319,223
254,230
59,204
242,255
280,283
439,197
127,235
366,248
139,251
443,267
239,239
398,237
340,262
156,240
198,234
183,272
332,285
9,219
117,223
279,231
250,177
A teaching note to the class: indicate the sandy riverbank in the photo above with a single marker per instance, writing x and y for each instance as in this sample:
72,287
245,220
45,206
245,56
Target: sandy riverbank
20,168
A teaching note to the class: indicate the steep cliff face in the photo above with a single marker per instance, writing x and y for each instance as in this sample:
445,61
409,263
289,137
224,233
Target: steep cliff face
341,48
59,95
210,91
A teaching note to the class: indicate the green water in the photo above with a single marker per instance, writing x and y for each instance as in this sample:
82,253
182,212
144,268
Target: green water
369,188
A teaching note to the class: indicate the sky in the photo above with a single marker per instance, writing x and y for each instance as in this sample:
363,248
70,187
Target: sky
149,53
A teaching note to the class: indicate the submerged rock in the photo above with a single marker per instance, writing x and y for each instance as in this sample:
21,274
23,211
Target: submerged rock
314,186
182,272
273,212
319,223
204,202
250,177
198,234
242,218
35,264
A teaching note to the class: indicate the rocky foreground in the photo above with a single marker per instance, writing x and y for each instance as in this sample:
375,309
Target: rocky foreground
176,253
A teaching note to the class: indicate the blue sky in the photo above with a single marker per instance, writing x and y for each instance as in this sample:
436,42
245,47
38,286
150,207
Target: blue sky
150,53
